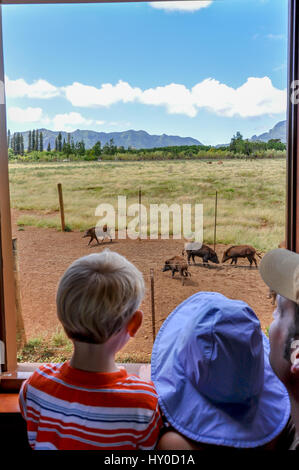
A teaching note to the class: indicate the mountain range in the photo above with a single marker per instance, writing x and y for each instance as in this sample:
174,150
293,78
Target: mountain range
131,138
279,131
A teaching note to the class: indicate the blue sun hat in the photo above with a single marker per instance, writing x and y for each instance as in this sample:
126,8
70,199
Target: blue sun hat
211,370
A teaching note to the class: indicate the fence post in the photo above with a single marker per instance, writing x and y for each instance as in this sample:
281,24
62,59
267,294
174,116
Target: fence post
153,303
61,207
21,336
215,223
139,202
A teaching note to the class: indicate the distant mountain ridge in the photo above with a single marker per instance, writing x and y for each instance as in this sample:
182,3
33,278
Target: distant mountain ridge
279,131
135,139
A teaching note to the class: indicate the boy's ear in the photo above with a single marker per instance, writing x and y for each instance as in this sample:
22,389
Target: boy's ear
135,323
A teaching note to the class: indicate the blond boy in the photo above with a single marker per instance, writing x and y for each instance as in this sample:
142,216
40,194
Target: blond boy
88,402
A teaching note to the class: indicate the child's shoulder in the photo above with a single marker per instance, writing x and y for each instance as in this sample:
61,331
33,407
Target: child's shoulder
145,390
46,370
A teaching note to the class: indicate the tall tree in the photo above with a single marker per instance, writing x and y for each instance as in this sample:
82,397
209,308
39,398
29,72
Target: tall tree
17,143
29,142
41,142
21,144
49,147
80,148
59,142
36,140
12,142
33,140
97,150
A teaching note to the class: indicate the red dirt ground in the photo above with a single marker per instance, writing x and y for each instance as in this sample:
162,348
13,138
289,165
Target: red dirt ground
44,254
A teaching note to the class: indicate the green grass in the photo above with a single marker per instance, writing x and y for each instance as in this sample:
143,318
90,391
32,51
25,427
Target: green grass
251,194
42,349
58,348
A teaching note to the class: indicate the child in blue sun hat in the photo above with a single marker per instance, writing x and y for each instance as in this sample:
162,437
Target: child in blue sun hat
215,385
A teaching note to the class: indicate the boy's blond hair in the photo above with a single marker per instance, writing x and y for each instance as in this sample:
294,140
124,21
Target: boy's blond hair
97,296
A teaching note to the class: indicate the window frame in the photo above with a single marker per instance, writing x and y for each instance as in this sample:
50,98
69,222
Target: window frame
7,284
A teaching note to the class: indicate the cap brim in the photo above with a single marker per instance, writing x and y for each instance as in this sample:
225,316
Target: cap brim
278,269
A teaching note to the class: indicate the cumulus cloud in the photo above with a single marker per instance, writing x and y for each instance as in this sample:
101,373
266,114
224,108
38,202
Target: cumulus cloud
38,89
62,122
176,98
90,96
70,121
183,5
17,114
256,97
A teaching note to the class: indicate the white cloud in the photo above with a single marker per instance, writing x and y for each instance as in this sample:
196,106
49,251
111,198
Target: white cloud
38,89
25,115
70,121
183,5
90,96
256,97
62,122
176,98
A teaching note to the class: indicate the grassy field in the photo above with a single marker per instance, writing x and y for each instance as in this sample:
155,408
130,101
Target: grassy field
251,194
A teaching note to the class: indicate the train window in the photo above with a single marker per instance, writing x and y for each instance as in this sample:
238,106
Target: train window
121,133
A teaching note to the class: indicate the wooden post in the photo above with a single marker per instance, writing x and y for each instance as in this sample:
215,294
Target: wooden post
61,206
215,223
153,303
3,360
21,337
7,285
139,202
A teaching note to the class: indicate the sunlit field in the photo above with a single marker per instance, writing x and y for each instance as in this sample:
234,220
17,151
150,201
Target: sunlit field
251,194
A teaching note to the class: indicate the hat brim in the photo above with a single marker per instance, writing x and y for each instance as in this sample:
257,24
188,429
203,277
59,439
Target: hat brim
278,269
194,415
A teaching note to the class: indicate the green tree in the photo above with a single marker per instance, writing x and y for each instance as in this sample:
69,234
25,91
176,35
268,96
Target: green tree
80,148
22,144
41,142
49,147
59,142
36,140
97,149
29,148
237,143
33,140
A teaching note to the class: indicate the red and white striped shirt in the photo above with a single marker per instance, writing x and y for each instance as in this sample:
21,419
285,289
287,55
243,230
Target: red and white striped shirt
67,408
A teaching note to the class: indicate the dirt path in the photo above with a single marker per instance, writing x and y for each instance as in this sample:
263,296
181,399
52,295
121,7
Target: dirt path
44,254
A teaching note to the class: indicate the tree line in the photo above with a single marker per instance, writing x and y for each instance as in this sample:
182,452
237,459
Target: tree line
67,148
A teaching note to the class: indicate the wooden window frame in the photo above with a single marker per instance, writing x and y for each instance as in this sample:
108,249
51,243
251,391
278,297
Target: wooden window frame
7,287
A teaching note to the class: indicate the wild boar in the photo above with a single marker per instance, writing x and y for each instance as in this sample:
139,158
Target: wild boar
241,251
205,252
177,264
96,232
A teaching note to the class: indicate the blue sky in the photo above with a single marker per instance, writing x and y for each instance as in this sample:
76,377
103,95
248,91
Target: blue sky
205,71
